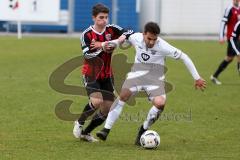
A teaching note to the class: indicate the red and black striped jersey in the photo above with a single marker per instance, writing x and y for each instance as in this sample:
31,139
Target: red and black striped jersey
230,18
97,63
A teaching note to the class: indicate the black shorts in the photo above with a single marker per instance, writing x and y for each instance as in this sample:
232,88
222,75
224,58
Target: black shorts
105,86
230,50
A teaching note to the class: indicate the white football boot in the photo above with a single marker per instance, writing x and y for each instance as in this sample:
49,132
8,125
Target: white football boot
77,129
215,80
88,137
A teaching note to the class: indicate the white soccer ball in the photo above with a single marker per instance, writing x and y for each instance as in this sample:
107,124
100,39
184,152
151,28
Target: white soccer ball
150,139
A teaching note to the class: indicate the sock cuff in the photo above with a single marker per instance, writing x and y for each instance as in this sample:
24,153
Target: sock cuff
155,109
91,106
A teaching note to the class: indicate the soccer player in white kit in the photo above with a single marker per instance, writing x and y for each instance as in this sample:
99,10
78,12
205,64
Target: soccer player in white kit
147,74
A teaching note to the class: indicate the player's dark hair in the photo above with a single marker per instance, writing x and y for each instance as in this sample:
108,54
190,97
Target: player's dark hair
152,27
99,8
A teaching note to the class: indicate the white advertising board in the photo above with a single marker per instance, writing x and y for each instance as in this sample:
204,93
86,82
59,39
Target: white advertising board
30,10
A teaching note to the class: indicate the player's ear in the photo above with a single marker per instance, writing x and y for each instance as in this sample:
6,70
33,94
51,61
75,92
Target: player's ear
93,18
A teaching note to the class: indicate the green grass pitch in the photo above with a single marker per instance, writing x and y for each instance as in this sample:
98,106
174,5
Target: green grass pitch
196,125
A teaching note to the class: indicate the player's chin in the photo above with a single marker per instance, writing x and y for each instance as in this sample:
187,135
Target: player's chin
150,46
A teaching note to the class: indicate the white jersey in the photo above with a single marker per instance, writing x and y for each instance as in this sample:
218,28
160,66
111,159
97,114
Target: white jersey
156,54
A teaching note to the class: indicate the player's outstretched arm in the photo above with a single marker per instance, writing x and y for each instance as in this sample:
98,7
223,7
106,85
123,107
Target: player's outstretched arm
200,83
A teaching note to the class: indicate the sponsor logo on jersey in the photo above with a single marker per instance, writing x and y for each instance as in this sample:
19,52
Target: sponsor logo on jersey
145,56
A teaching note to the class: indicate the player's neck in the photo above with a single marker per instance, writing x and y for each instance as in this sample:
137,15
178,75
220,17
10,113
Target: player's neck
98,28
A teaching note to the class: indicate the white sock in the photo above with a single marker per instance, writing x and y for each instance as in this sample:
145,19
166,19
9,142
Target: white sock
152,116
114,113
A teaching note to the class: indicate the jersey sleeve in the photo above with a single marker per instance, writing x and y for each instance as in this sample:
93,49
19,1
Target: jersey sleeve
168,50
85,44
121,31
234,38
190,66
225,19
133,39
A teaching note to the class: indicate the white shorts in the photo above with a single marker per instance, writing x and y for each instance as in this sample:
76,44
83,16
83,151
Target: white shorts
147,81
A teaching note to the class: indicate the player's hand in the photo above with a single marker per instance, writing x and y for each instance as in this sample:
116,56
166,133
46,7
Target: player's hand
200,84
121,39
108,47
221,41
95,45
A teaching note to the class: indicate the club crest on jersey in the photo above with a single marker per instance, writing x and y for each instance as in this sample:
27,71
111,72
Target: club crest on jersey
108,37
145,56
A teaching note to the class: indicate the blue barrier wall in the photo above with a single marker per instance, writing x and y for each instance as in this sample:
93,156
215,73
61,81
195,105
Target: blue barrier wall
127,16
83,15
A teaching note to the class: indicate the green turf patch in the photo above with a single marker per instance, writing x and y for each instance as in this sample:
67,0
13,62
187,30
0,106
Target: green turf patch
197,125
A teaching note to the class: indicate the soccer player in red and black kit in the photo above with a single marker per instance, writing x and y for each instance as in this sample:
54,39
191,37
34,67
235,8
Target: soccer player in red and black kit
229,20
97,71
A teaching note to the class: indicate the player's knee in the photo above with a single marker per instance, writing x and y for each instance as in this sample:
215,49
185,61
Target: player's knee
159,102
125,94
97,102
105,111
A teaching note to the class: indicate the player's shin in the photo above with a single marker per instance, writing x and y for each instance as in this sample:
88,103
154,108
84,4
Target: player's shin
114,113
96,121
87,111
152,116
221,67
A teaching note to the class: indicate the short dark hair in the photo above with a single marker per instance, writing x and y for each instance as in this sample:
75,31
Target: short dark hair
152,27
99,8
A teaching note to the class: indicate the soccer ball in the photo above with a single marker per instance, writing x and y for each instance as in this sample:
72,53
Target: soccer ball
150,139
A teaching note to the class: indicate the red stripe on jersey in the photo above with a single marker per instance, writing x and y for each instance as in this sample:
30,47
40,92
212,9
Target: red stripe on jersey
101,38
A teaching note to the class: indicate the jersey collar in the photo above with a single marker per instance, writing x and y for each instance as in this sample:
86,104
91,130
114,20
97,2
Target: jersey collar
99,33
